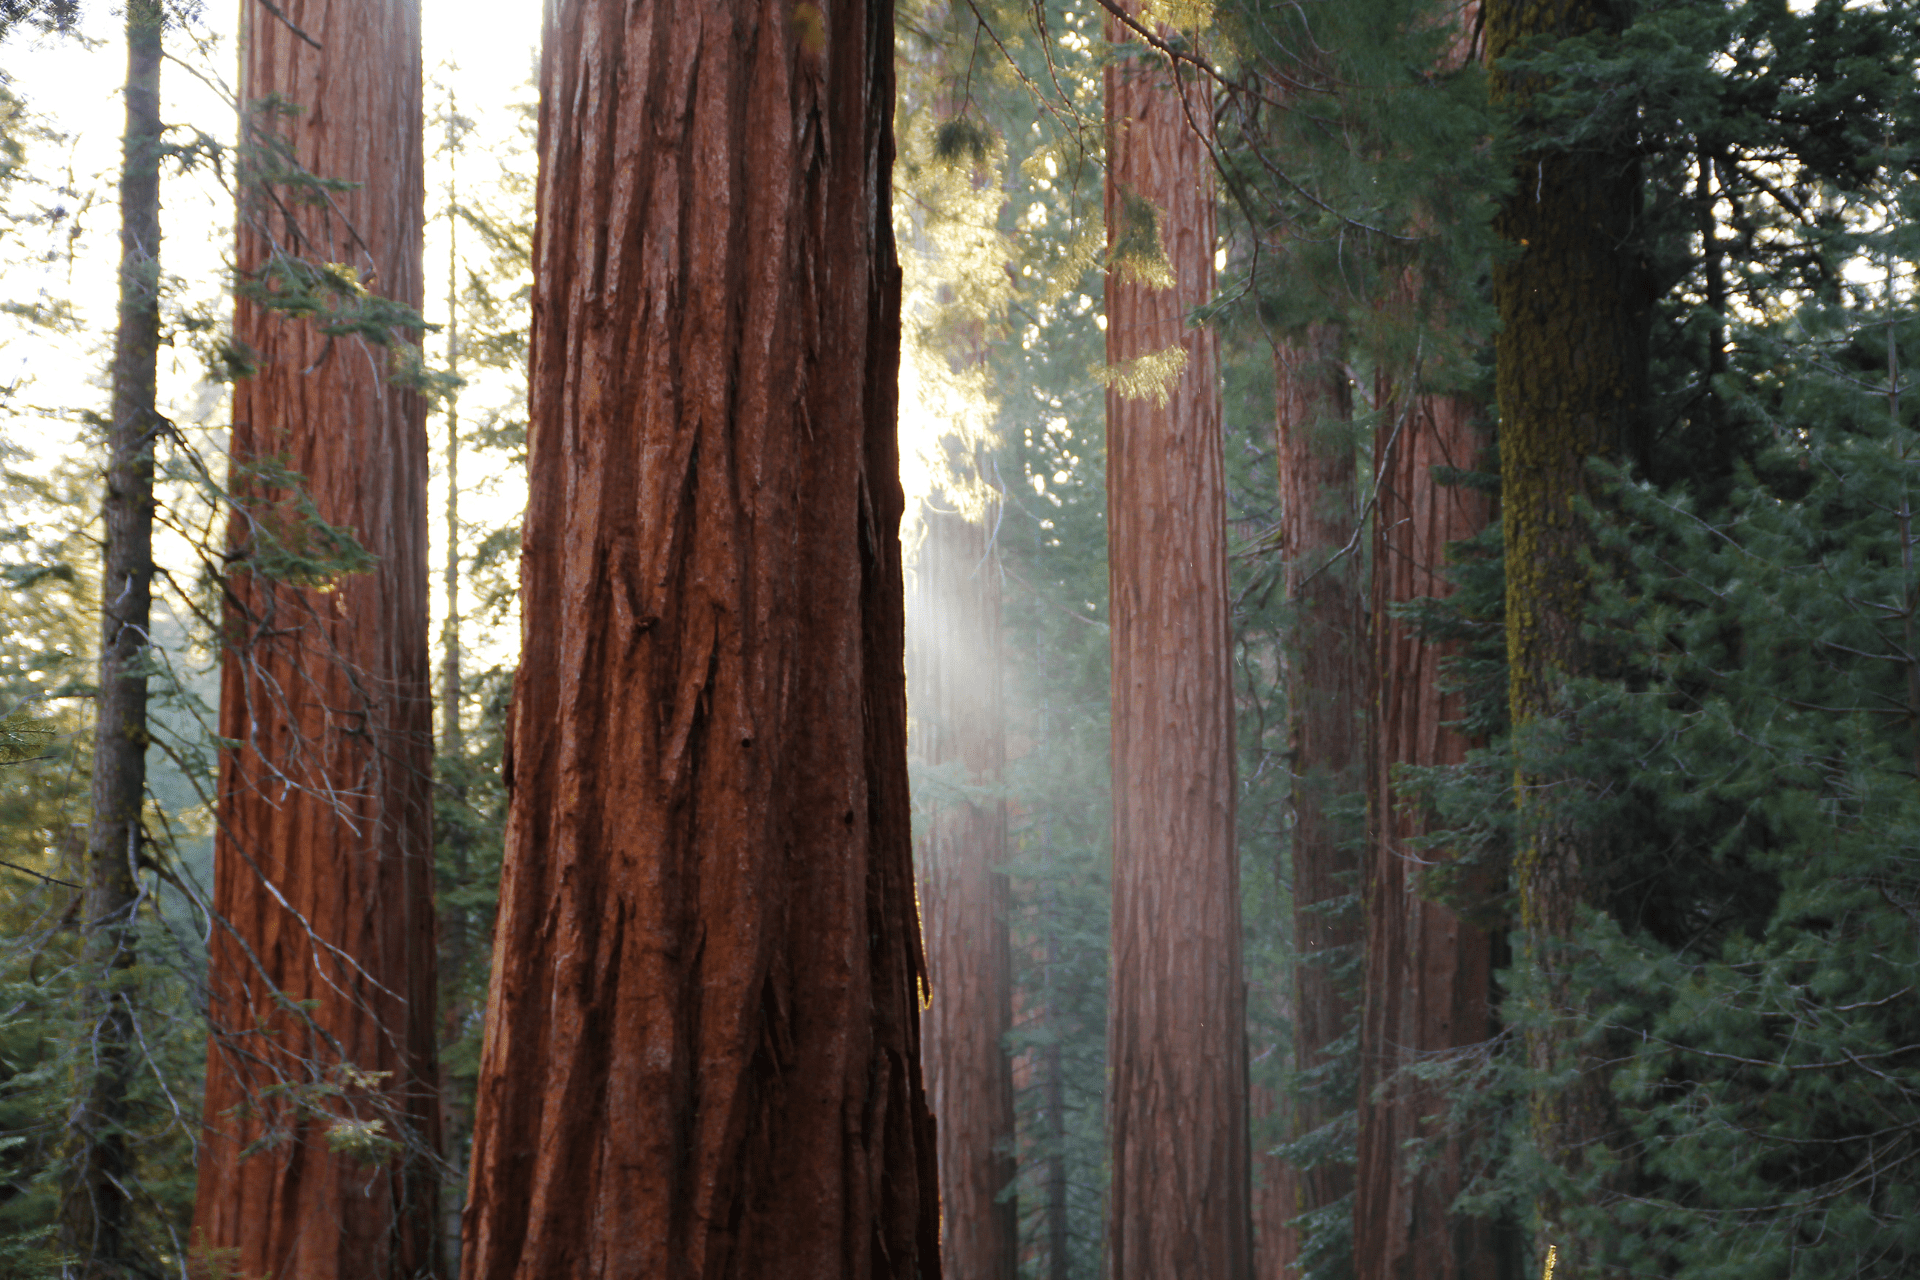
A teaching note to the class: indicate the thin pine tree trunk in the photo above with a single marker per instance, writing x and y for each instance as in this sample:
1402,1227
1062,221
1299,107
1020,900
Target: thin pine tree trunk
97,1211
324,855
456,941
1176,1041
702,1053
954,630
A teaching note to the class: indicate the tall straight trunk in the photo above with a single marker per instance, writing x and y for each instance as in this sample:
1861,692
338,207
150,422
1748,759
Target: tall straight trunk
456,940
1276,1183
1176,1038
1428,970
702,1051
1570,367
1053,1063
1326,685
97,1209
954,631
322,966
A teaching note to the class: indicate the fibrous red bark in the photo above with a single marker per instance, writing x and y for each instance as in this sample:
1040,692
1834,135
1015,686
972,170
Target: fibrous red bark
702,1047
1326,685
954,633
1176,1040
1428,970
322,962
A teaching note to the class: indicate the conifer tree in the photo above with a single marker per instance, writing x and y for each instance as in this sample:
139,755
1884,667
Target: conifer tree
1428,964
1176,1041
702,1052
322,1121
98,1202
1327,679
1571,358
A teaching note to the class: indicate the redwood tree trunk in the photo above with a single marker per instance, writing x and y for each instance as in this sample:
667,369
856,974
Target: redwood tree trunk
954,626
1428,970
702,1052
1326,705
1176,1039
324,858
97,1209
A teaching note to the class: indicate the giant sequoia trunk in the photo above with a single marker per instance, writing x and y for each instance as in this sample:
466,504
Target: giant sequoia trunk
1571,360
96,1208
702,1053
1428,970
1326,706
322,964
1176,1040
954,628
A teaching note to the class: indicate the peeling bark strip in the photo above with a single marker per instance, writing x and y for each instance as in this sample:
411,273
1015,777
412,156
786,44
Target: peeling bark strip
1428,971
954,626
1176,1038
324,860
702,1049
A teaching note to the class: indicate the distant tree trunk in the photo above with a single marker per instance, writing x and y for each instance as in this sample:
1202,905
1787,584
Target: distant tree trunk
322,963
1428,971
456,1120
702,1053
954,630
97,1210
1571,363
1052,1063
1176,1040
1276,1183
1326,705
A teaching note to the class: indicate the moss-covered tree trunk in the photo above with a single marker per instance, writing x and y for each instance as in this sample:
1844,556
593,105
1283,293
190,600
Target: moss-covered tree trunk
322,978
702,1048
954,632
1176,1040
1428,970
97,1205
1571,356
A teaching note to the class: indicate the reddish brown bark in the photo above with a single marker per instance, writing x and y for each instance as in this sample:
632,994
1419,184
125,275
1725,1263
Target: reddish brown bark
954,627
1176,1040
323,873
1326,701
1428,971
1276,1183
702,1048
